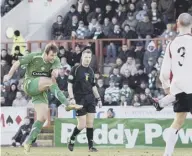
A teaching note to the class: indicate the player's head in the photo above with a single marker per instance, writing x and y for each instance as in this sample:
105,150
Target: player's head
86,57
184,21
50,52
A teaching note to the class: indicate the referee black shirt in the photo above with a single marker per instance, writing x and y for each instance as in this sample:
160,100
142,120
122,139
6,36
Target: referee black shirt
83,80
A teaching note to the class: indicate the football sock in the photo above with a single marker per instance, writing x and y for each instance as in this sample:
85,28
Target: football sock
76,131
58,94
172,136
90,137
36,129
167,100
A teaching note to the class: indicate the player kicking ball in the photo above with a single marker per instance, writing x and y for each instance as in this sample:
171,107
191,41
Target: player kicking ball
178,59
41,73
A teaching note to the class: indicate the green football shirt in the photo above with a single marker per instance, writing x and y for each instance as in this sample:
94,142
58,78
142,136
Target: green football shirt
36,66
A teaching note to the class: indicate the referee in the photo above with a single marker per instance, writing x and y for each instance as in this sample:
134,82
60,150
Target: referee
83,91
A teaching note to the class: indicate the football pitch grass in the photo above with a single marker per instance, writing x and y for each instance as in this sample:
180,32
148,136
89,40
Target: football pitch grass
82,151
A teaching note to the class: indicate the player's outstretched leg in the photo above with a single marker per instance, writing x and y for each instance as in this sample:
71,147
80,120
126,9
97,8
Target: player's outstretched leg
165,101
173,133
41,114
81,125
50,83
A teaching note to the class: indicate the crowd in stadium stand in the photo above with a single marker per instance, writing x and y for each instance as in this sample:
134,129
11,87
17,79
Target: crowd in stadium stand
7,5
134,73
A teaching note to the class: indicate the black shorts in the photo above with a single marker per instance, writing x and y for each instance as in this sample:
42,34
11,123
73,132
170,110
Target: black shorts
184,103
88,102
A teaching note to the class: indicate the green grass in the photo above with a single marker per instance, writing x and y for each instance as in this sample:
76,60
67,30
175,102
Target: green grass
82,151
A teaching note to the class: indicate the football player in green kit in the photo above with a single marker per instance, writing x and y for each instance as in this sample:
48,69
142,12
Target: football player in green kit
41,73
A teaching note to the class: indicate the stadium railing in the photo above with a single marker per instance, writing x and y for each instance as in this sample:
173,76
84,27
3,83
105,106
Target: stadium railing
98,45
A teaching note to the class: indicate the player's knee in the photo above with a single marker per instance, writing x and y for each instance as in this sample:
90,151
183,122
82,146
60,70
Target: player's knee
178,123
89,124
81,126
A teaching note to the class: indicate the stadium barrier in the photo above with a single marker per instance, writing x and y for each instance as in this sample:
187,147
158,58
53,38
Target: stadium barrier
126,133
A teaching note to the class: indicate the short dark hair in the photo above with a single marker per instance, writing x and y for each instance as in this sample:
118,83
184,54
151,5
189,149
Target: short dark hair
17,33
17,48
51,47
87,51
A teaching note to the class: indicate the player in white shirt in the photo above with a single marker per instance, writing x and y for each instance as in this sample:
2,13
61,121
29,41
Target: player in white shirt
176,78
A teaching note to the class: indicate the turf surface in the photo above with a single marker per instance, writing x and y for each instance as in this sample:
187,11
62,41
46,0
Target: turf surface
82,151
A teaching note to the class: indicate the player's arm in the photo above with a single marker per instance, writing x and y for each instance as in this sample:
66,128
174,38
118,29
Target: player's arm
14,67
166,69
95,91
22,61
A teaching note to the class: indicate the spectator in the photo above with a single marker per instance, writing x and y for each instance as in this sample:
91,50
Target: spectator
2,87
2,101
109,13
128,33
149,65
112,94
8,5
101,88
159,63
80,5
126,94
141,88
22,133
58,28
139,52
4,68
162,52
115,77
125,53
62,52
92,26
141,76
140,15
152,79
84,14
166,7
131,9
112,47
18,40
62,79
136,102
152,53
97,14
68,17
5,56
129,65
118,64
110,113
169,32
148,92
145,27
140,3
98,34
20,100
120,15
131,21
10,95
156,19
82,32
114,4
114,22
144,100
17,53
74,56
71,28
107,27
98,3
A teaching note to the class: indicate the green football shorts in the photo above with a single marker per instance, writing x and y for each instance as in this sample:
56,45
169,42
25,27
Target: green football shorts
31,87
